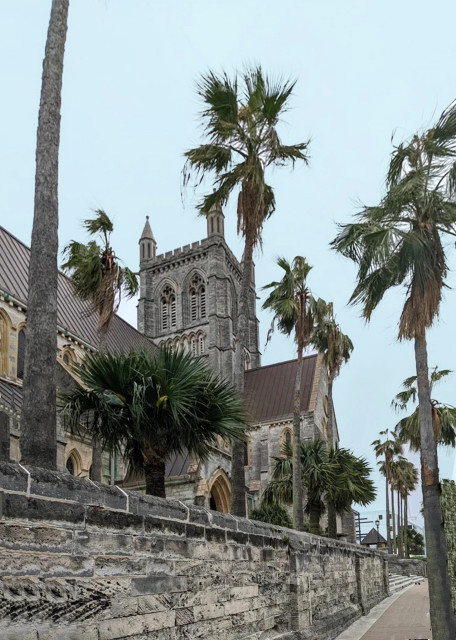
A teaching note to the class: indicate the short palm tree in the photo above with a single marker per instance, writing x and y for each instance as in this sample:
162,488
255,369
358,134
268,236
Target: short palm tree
146,408
387,448
335,476
38,413
294,310
96,273
98,277
443,415
336,348
400,242
240,118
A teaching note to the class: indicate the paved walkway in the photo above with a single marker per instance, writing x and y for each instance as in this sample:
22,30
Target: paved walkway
402,616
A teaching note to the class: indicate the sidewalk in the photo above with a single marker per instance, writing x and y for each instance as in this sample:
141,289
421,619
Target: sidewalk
402,616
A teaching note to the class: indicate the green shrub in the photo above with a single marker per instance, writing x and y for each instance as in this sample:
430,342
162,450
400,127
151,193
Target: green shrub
272,514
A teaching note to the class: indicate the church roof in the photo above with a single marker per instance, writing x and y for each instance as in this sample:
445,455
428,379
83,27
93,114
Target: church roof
73,315
373,537
269,390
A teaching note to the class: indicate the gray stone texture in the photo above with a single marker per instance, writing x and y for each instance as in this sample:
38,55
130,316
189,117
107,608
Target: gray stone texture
158,569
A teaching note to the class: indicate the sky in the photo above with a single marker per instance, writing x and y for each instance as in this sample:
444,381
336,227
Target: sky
364,72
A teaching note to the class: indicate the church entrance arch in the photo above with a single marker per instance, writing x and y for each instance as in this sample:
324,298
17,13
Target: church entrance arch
220,488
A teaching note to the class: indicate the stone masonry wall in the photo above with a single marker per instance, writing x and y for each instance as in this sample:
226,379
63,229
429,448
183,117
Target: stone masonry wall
86,561
448,502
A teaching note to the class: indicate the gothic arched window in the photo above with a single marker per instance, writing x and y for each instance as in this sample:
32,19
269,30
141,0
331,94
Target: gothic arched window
21,354
5,327
168,308
197,295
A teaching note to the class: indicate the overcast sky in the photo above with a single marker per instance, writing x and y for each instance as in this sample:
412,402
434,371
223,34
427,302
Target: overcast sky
364,70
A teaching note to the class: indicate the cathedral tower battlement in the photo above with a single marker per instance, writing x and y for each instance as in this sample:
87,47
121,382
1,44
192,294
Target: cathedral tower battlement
189,298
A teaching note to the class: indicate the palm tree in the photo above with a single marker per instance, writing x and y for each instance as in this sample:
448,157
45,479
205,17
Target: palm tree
240,124
443,415
406,479
98,277
96,273
38,415
336,476
398,242
336,348
294,310
388,448
146,408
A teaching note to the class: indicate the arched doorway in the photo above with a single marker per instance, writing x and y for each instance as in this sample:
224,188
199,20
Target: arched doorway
220,489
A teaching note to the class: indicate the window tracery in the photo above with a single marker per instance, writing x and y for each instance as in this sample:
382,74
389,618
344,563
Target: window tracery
168,308
197,296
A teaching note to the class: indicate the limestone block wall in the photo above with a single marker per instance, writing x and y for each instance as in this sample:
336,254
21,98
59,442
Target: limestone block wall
86,561
448,502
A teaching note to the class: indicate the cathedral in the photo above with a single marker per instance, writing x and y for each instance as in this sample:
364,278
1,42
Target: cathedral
188,300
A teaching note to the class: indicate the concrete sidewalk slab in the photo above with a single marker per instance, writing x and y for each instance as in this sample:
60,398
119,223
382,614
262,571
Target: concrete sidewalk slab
402,616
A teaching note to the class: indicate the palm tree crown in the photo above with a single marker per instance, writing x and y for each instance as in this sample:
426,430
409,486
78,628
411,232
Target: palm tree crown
95,271
241,127
146,408
443,415
399,241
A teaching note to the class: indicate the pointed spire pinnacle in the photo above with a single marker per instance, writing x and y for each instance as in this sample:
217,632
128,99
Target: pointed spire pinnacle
147,231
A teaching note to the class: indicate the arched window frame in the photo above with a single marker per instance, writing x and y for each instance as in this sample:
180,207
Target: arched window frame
168,307
76,460
5,341
197,298
286,438
20,351
68,357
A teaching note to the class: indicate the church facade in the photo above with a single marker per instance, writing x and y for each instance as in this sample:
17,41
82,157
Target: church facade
188,300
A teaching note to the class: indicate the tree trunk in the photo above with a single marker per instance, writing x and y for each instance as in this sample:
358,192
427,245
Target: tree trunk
314,518
238,501
399,528
39,417
442,617
96,471
298,509
406,551
154,472
332,516
393,515
388,530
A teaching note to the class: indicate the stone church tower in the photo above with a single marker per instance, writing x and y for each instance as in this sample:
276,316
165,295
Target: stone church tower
188,298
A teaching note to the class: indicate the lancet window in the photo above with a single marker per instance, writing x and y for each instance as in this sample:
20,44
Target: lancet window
197,295
20,354
168,308
195,343
5,327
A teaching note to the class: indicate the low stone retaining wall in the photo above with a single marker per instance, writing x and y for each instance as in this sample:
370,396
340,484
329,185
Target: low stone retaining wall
406,566
86,561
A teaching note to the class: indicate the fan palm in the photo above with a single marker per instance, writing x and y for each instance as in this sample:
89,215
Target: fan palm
146,408
336,476
240,124
388,448
399,242
336,348
294,310
443,415
38,413
96,273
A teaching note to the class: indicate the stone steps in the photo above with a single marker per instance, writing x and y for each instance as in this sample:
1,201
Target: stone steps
398,582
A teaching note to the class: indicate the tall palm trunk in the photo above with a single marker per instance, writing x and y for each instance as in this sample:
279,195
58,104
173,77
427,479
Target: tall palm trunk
442,617
38,417
388,529
97,463
332,516
238,501
406,551
399,527
154,472
298,509
393,516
